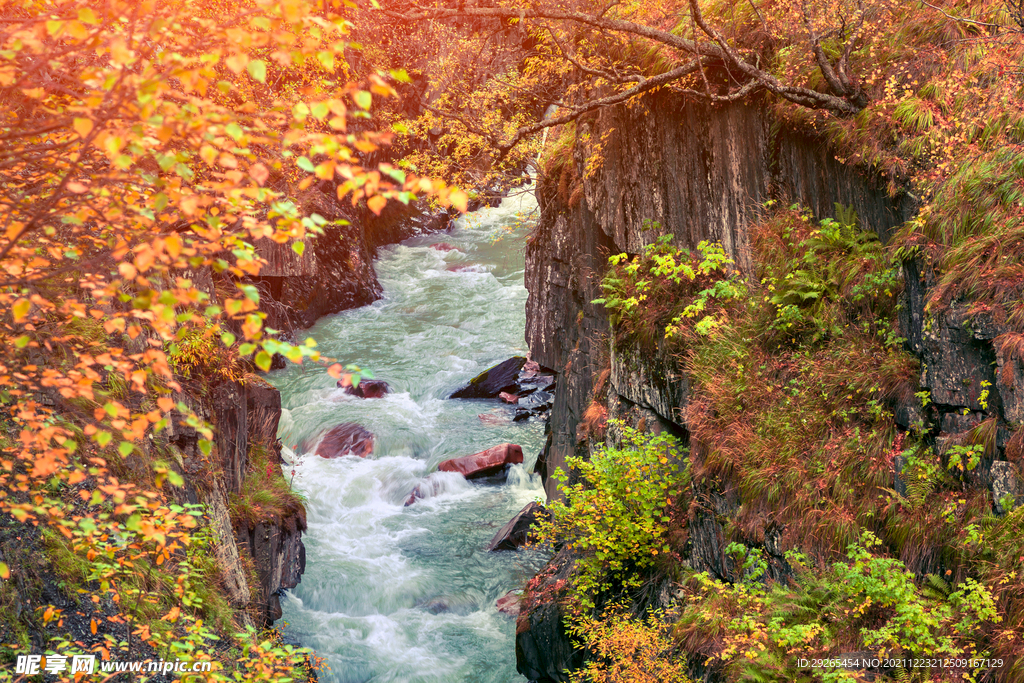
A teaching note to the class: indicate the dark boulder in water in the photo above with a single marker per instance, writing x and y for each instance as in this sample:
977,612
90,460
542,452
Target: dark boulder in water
368,388
517,532
484,463
345,439
489,384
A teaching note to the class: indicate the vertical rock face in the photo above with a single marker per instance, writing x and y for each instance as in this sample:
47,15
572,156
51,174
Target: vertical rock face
702,173
335,270
257,560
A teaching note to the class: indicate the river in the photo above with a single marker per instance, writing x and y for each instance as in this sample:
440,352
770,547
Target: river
406,594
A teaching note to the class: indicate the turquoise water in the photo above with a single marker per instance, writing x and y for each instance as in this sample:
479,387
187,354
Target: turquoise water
406,594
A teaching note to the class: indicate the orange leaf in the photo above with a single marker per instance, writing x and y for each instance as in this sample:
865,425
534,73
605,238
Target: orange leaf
376,203
93,627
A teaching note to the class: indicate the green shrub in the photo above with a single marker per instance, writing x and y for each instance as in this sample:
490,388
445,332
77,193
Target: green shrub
615,516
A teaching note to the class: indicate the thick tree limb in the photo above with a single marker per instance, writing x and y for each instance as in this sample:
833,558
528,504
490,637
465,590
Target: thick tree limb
719,49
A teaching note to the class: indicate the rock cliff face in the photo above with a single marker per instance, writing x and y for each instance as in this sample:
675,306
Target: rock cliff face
335,270
258,560
702,173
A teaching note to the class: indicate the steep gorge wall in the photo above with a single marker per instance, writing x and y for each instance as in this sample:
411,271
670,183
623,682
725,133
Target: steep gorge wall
257,559
702,173
335,271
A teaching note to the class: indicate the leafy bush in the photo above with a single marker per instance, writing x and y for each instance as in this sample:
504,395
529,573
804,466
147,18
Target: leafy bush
615,516
759,632
825,277
665,286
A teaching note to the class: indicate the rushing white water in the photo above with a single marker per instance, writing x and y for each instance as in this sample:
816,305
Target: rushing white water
406,594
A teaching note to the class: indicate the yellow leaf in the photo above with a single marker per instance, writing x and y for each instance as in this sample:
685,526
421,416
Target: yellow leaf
119,52
325,171
459,199
77,30
208,154
20,309
5,571
173,245
376,203
237,62
83,127
87,16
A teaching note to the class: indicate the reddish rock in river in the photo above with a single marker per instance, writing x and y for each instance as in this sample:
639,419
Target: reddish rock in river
368,388
485,463
509,604
346,439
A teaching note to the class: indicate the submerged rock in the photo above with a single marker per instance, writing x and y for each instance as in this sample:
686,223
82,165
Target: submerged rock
455,604
444,246
368,388
345,439
508,604
508,397
433,485
489,384
517,531
484,463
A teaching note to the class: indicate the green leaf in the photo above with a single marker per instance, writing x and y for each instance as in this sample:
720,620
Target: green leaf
234,130
227,339
102,438
327,59
263,360
205,445
298,247
22,341
175,478
305,164
125,448
364,99
258,70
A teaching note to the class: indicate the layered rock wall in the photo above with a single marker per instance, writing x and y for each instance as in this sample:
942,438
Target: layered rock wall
699,172
669,166
257,559
335,270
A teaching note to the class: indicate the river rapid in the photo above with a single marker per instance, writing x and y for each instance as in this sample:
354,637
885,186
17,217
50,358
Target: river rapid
406,594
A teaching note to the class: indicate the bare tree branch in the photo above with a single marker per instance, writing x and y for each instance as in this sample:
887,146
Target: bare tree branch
719,49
